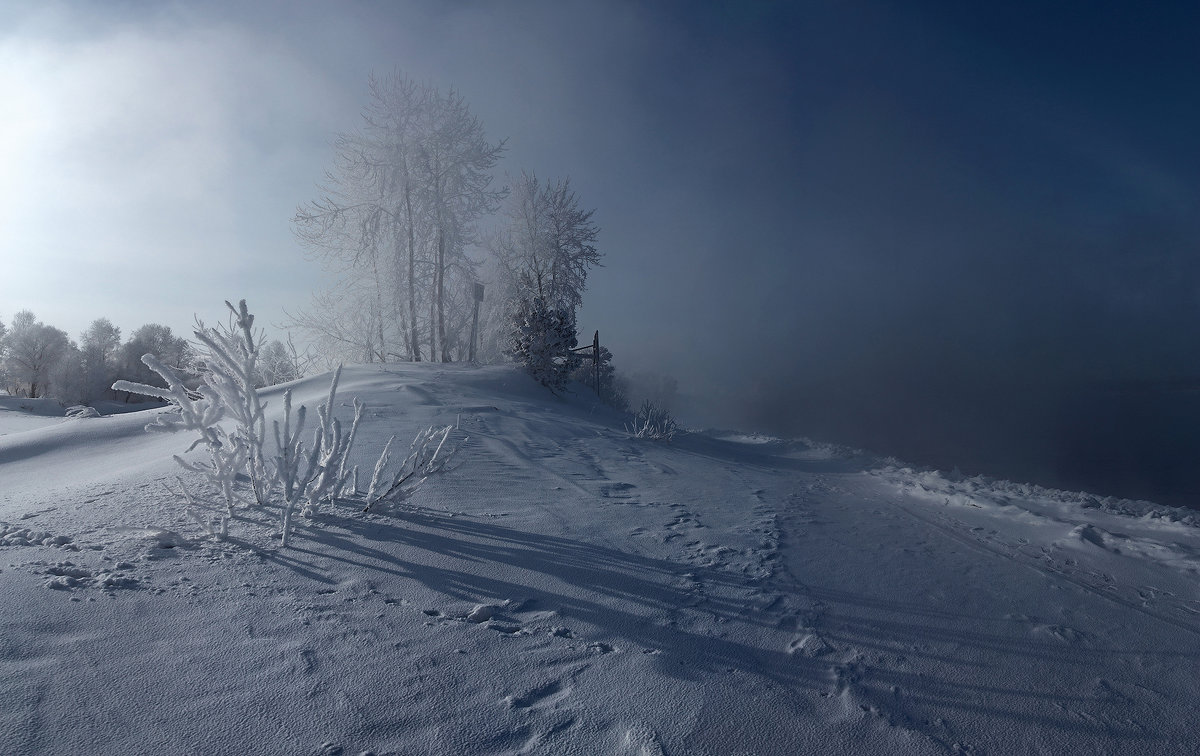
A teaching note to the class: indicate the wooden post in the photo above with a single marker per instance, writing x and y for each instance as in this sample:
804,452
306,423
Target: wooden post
475,322
596,360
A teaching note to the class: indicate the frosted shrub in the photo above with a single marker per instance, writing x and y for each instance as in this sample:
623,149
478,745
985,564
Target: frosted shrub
652,422
227,360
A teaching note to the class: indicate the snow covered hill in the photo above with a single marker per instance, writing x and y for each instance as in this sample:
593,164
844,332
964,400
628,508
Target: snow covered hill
566,589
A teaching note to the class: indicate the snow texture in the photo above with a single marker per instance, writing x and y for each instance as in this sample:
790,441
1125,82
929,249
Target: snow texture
567,589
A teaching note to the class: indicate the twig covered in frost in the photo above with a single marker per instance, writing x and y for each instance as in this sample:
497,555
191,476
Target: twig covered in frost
375,490
331,448
227,455
287,462
230,357
323,472
425,459
290,447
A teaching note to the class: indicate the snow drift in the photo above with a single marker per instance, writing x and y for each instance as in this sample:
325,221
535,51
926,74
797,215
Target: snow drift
566,588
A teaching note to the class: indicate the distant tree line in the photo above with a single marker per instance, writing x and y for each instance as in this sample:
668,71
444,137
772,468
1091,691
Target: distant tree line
39,360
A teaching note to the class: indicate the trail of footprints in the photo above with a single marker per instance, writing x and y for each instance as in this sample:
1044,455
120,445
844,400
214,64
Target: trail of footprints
518,618
96,566
546,711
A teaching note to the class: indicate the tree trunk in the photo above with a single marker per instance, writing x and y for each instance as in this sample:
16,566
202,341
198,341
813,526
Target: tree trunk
432,328
441,294
378,308
414,337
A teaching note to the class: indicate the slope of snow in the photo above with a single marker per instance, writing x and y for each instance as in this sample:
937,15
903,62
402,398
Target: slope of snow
21,414
566,589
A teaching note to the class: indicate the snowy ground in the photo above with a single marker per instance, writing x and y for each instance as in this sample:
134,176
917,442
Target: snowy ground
568,589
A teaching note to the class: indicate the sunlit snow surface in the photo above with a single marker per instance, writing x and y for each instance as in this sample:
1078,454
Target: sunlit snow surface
566,589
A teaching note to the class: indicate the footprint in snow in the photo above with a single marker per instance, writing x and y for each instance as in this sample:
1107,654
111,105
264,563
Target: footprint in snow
809,645
541,697
639,740
1062,633
67,576
616,490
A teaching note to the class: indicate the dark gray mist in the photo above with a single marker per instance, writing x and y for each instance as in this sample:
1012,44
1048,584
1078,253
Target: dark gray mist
963,240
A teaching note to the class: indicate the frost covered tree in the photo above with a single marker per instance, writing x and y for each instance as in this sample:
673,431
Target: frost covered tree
66,375
544,251
455,172
397,212
365,211
3,365
276,364
33,351
100,348
153,338
548,243
343,326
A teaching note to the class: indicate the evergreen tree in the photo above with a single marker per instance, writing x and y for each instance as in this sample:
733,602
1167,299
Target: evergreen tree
541,341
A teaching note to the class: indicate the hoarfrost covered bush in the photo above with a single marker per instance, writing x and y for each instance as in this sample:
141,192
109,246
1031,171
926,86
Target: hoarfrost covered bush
227,358
306,476
653,422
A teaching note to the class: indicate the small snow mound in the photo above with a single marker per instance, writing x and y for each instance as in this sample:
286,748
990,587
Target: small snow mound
481,613
158,537
80,411
14,535
67,577
640,740
109,580
68,569
1091,534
